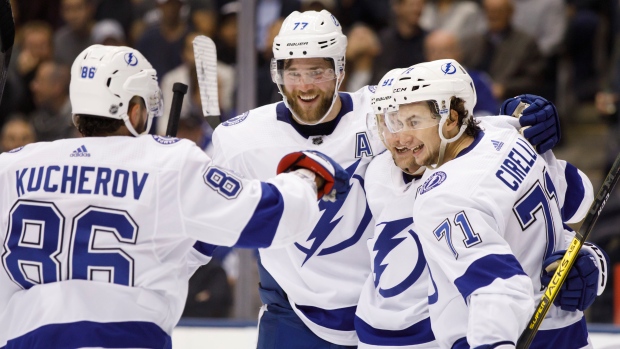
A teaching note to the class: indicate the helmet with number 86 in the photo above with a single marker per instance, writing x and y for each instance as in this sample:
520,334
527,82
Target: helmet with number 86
105,78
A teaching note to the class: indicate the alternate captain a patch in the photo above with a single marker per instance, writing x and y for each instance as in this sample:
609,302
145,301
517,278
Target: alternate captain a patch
362,145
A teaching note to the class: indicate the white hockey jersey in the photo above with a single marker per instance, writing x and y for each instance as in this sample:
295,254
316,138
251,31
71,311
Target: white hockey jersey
486,221
323,272
393,307
98,233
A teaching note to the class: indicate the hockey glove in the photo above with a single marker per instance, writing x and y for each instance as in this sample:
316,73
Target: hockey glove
336,184
586,279
541,117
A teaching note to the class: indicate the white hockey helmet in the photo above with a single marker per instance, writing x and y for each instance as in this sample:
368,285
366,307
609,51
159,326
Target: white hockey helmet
437,81
309,34
381,102
105,78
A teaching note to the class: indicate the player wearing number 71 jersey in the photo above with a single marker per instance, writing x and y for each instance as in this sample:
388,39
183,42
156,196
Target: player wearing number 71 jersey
98,233
487,215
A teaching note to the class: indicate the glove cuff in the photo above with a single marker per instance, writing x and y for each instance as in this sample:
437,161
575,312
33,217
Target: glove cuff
602,264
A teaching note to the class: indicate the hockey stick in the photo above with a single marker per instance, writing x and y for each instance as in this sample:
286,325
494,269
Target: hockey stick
570,257
7,37
206,71
179,90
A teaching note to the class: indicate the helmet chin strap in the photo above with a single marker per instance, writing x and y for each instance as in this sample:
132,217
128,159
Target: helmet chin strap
129,126
445,141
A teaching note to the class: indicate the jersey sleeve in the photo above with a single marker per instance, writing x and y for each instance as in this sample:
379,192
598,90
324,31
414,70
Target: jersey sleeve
220,207
574,188
469,250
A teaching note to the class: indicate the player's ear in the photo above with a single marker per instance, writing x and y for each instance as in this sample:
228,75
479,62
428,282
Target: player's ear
453,119
135,111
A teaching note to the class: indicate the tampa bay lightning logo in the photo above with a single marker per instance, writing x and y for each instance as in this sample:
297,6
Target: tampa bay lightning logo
131,59
328,222
372,88
433,181
165,140
448,69
386,243
236,120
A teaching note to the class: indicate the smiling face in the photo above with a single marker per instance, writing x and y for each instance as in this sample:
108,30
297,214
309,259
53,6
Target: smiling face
417,143
309,87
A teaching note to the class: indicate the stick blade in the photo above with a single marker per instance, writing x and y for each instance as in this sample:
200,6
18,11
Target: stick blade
205,55
7,37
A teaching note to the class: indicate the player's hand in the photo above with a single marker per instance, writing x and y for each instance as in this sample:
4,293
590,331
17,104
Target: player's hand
538,117
336,184
582,283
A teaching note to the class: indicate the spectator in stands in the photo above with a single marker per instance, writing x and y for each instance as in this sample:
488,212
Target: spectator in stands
403,43
109,32
266,91
544,20
162,43
319,5
50,88
16,132
462,18
34,47
373,13
510,56
362,48
209,294
226,37
75,35
443,44
203,14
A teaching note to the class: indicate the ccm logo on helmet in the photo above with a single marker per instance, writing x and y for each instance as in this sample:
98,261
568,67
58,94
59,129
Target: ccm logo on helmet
297,44
131,59
400,89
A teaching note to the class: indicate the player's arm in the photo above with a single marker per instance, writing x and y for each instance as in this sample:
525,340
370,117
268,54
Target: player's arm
220,207
466,245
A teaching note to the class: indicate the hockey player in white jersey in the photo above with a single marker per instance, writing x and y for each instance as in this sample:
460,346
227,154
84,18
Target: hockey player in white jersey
98,232
487,215
393,307
310,289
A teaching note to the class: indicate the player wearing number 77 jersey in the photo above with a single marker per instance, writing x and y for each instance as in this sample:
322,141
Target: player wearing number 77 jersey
487,214
98,232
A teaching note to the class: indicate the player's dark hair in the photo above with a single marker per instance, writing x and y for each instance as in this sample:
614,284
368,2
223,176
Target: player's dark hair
458,105
99,126
473,127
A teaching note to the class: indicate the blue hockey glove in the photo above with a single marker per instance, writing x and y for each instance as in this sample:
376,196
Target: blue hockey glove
336,178
541,117
586,279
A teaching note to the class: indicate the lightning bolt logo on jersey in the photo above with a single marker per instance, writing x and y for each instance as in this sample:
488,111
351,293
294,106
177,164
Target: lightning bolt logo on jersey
329,221
392,310
322,274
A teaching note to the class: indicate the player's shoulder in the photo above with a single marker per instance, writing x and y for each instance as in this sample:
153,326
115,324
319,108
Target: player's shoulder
380,167
361,98
250,119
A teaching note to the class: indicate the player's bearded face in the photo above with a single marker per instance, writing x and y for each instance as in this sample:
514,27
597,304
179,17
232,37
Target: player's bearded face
309,100
412,148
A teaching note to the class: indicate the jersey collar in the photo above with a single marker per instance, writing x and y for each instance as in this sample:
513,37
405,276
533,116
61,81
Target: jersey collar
323,129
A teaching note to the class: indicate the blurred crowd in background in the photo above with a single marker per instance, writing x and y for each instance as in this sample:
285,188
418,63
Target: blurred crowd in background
567,51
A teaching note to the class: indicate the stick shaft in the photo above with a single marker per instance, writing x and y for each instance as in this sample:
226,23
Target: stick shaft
179,90
570,257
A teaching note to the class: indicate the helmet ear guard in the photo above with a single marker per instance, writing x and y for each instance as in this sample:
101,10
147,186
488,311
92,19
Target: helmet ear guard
104,79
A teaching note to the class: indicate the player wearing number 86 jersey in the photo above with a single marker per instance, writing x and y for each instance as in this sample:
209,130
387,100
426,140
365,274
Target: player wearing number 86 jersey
99,233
